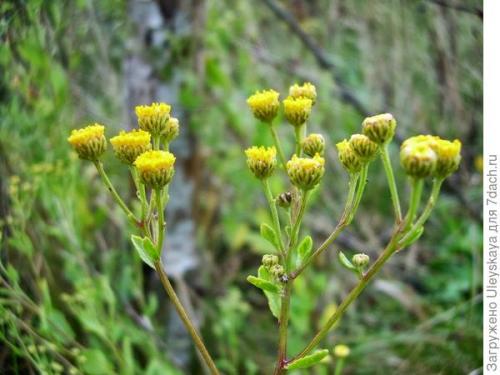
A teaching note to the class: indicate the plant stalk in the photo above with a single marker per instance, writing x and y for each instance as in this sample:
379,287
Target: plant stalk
185,318
277,143
384,153
283,328
274,213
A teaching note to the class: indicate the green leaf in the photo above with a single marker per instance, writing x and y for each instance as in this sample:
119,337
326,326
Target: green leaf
273,299
151,249
304,250
308,360
346,262
143,253
413,238
263,284
96,363
269,234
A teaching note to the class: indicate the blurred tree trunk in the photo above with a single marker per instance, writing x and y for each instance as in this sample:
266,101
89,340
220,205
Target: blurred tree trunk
156,25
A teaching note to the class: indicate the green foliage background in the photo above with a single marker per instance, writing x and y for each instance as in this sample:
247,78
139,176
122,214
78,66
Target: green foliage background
74,296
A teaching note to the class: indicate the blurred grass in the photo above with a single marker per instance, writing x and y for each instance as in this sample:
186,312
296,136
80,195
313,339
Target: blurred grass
73,293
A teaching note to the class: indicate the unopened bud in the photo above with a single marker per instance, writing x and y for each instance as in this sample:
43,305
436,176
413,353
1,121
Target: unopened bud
284,200
364,148
307,90
313,144
360,260
349,159
269,260
171,130
418,159
341,351
277,271
380,128
306,173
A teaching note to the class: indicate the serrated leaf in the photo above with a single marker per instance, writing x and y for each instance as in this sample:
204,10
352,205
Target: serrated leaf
138,243
346,262
263,284
269,234
304,249
308,360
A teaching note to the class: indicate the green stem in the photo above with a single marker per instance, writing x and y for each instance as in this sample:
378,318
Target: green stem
353,294
384,153
277,143
416,194
436,187
363,179
156,142
283,328
161,219
274,213
185,318
343,222
298,139
339,366
114,193
296,227
141,190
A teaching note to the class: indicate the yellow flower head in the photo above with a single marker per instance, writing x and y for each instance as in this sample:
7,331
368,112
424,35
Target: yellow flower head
261,160
171,130
349,159
313,144
341,351
89,142
449,157
264,105
307,90
153,118
129,145
380,128
306,173
447,152
156,168
418,157
297,110
363,147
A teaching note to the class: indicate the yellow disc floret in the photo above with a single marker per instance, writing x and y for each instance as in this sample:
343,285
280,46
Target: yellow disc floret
341,351
297,110
306,173
156,168
261,161
153,118
89,142
264,105
418,157
129,145
307,90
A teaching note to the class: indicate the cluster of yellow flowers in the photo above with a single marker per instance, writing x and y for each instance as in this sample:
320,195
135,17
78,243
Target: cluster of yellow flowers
133,148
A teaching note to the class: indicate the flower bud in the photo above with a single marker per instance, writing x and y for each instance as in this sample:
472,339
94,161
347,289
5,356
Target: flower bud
261,161
284,199
264,105
349,159
297,110
341,351
307,90
277,271
269,260
380,128
448,157
171,130
306,173
156,168
89,142
360,260
313,144
129,145
363,147
153,118
418,159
